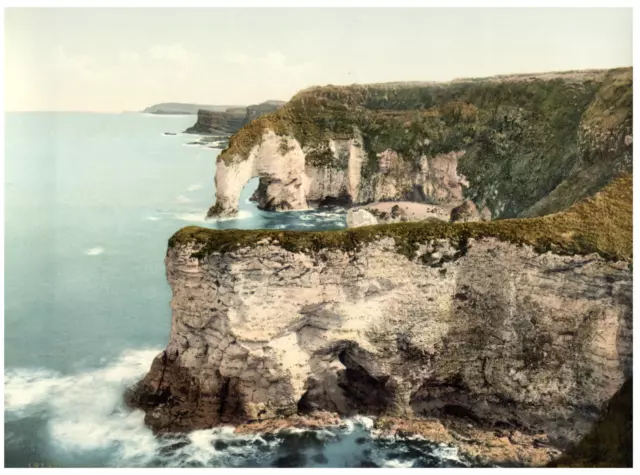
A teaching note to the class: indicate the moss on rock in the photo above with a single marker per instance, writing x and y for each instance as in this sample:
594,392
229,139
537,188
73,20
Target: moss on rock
601,224
523,135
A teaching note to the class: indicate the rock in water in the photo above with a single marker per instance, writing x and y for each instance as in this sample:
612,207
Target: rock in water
357,217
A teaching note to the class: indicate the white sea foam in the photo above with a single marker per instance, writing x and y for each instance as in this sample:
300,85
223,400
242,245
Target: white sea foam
85,414
325,217
348,426
24,389
447,452
200,217
183,199
366,422
199,145
94,251
154,218
194,187
393,463
85,411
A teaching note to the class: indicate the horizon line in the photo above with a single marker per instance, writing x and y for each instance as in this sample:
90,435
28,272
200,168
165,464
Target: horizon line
408,82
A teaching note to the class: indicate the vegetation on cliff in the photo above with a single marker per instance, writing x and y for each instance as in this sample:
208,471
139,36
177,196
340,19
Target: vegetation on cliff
230,120
524,136
600,224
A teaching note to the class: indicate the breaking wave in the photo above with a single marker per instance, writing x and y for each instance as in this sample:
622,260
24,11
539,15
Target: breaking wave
200,217
183,199
84,412
84,415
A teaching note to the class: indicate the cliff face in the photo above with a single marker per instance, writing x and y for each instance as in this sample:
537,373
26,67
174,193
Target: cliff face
517,145
518,323
218,123
211,122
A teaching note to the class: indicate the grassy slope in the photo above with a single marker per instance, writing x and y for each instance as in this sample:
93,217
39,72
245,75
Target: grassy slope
601,224
534,144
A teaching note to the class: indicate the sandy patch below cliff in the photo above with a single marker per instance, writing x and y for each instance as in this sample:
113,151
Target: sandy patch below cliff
413,211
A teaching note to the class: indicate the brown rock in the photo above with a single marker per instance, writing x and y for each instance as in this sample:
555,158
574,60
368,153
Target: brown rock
466,212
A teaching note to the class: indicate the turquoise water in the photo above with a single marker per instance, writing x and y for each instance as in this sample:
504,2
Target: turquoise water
90,202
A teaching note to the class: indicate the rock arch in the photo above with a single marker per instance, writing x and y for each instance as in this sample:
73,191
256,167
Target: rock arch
279,162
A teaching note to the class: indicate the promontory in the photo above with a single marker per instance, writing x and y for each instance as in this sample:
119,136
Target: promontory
509,337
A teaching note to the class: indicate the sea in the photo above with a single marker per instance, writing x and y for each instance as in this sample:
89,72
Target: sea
90,203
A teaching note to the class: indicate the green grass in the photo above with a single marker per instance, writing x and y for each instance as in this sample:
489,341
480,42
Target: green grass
524,136
601,224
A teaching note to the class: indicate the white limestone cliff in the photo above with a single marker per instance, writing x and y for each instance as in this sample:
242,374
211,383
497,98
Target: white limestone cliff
290,180
491,330
287,182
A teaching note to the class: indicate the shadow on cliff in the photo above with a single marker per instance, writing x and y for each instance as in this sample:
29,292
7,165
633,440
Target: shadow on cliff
610,441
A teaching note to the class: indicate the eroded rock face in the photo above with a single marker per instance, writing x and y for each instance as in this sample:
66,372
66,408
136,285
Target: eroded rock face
518,146
283,185
290,178
218,123
229,121
493,332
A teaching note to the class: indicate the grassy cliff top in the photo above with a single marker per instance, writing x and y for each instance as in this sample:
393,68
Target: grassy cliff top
600,224
321,112
567,76
523,136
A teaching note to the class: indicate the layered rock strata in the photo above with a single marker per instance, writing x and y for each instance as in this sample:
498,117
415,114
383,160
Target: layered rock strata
229,121
514,324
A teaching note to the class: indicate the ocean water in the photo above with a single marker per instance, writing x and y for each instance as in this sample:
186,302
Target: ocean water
90,202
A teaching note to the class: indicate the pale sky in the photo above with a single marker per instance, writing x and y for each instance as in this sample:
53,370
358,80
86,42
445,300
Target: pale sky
126,59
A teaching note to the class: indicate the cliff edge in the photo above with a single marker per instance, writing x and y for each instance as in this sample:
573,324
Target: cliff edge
523,145
519,325
229,121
